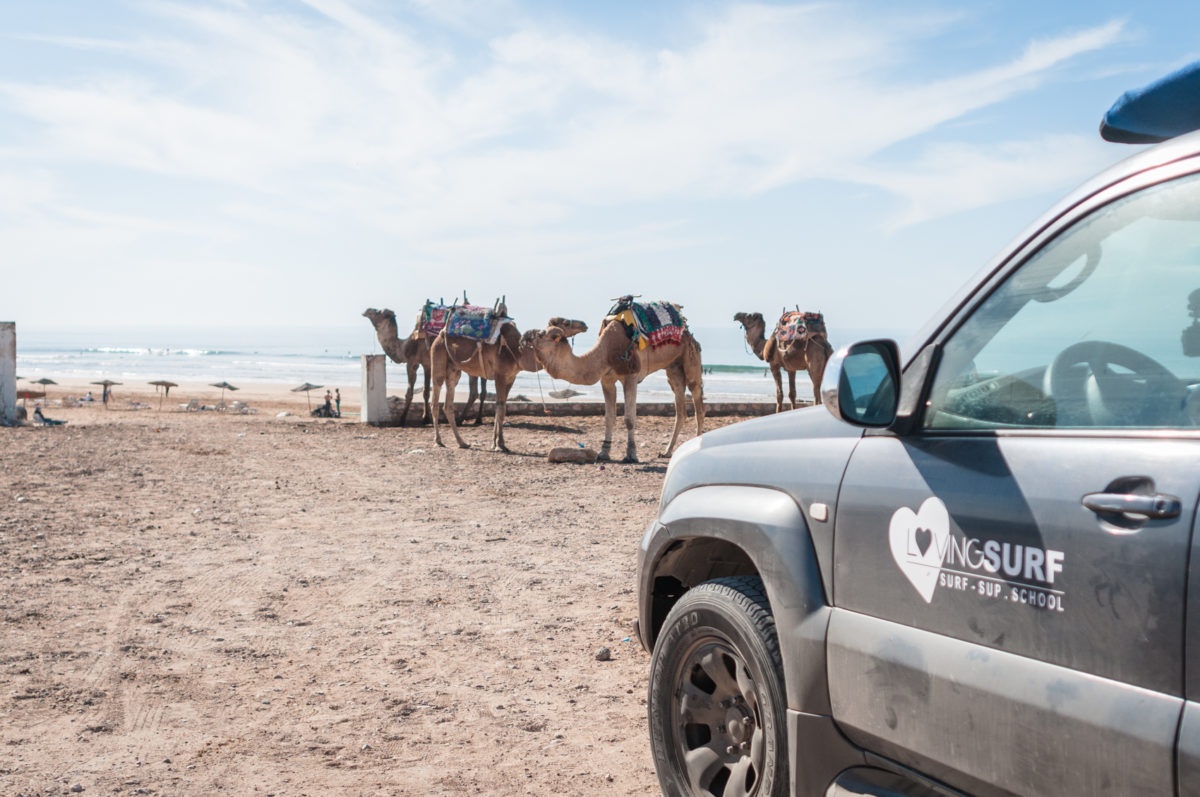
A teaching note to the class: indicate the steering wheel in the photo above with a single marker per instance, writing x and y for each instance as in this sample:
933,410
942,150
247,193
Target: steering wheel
1087,392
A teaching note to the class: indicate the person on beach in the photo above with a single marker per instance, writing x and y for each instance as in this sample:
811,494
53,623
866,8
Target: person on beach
88,397
104,396
43,420
337,399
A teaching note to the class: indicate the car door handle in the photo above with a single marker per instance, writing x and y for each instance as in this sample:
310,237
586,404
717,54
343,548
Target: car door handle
1150,506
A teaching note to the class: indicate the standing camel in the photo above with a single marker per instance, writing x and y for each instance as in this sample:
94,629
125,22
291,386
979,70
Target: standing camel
413,352
501,361
616,358
808,353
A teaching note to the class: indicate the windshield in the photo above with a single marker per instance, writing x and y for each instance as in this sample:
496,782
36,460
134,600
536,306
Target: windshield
1121,276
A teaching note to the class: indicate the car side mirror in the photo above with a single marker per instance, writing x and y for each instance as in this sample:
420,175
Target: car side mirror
862,383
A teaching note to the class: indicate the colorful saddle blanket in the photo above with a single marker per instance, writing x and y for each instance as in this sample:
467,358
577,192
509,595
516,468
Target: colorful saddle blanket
797,325
475,323
651,324
433,318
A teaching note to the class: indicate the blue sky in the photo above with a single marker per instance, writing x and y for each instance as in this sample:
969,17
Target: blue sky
277,163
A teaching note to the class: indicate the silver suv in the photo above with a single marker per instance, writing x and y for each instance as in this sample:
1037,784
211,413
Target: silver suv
973,570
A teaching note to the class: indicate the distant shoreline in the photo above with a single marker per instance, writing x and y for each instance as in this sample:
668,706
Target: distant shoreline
278,397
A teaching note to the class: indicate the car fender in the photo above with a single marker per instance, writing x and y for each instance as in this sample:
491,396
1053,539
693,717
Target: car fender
768,528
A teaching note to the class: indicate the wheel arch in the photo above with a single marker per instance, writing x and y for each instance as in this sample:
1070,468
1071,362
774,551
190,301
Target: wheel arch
729,530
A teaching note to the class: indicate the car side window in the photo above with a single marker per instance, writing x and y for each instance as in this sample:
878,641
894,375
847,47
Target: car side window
1098,329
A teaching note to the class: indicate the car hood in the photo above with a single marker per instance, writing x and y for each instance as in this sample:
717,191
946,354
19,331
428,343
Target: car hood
765,452
810,422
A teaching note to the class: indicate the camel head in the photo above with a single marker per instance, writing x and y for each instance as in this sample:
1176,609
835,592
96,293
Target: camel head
379,316
569,326
384,322
545,341
749,319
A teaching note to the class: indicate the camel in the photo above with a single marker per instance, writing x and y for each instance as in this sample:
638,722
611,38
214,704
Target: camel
413,352
500,361
615,358
809,353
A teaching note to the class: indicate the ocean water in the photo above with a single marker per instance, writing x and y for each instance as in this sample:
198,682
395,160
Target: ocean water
330,356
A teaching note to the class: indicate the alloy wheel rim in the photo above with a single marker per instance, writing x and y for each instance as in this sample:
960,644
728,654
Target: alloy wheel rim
717,716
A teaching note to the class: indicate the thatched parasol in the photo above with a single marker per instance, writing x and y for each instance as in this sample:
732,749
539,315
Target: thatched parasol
43,382
224,386
307,386
163,383
107,384
25,395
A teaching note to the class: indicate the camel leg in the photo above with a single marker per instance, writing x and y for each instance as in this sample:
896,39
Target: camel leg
483,398
693,373
472,393
816,368
792,388
438,379
451,384
778,388
428,415
408,394
697,389
608,386
501,410
629,392
676,380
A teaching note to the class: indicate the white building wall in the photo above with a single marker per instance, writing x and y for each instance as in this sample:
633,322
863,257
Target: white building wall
374,390
8,372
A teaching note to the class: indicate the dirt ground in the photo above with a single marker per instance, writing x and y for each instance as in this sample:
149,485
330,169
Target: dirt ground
202,603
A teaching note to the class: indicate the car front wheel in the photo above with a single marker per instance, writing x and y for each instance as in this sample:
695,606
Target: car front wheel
716,700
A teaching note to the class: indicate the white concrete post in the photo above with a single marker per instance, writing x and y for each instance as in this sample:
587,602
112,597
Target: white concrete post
374,390
8,373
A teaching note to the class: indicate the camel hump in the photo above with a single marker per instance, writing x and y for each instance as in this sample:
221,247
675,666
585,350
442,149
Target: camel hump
510,336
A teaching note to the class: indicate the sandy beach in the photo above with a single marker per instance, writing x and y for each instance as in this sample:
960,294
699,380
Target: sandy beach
209,602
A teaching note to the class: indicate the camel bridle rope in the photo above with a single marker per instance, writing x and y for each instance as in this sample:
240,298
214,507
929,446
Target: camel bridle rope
541,367
541,398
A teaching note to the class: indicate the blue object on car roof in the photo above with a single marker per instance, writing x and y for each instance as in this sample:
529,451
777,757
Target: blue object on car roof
1168,107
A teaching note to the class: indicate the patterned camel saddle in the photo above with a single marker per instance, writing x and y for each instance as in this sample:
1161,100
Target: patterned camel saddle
797,325
650,324
433,318
476,323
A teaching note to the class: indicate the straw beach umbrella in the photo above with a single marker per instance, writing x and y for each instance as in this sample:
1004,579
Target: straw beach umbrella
224,386
163,383
43,382
107,383
307,386
25,395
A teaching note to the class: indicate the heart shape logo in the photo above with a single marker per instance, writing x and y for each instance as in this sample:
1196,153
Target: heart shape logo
919,541
923,537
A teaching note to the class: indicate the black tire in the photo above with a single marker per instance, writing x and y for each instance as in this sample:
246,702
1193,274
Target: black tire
716,700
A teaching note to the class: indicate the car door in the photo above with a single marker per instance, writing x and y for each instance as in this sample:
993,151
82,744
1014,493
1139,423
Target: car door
1010,575
1188,773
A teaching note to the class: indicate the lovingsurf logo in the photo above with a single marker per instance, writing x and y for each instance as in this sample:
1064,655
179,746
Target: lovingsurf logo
929,556
919,542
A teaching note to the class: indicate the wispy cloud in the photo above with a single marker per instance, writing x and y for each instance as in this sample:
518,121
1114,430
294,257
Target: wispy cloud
466,133
952,178
765,96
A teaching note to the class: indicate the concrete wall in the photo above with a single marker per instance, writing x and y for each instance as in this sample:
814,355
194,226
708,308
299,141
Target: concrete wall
566,408
8,372
563,409
375,409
